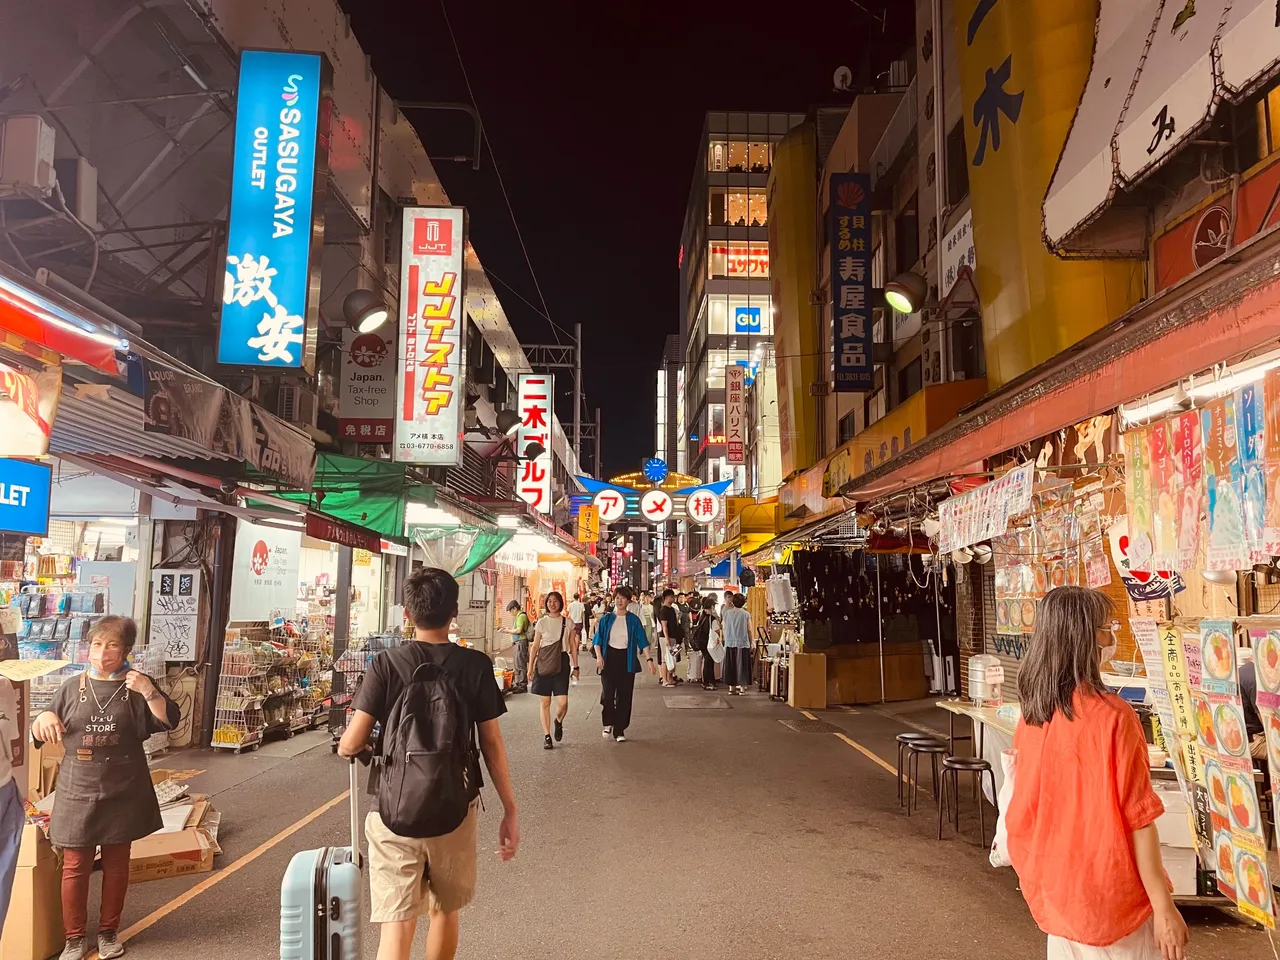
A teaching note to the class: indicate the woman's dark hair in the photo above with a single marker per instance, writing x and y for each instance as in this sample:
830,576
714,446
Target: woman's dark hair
1063,655
119,628
709,604
624,590
513,605
546,603
738,600
430,598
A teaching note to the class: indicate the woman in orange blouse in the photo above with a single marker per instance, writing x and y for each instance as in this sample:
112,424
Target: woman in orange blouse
1081,823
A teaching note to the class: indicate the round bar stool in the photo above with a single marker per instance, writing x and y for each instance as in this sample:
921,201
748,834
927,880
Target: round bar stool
935,750
954,766
903,740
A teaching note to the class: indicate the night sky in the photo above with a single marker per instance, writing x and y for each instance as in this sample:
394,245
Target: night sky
594,122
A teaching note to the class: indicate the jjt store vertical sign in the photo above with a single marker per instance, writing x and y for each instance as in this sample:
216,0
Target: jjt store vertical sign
430,377
535,403
850,243
275,232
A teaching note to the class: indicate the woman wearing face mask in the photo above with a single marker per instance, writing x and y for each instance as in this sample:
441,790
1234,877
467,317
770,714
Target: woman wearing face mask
1082,796
105,797
553,659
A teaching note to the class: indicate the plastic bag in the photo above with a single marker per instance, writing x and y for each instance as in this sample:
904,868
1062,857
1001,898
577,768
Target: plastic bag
999,856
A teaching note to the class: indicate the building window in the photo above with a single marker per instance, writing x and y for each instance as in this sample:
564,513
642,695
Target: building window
910,379
758,157
848,424
957,166
716,434
738,259
718,156
906,235
739,208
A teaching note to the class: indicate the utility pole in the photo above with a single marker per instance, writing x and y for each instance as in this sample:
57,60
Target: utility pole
597,464
577,391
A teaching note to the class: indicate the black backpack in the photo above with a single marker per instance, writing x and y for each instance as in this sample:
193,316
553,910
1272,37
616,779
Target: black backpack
428,758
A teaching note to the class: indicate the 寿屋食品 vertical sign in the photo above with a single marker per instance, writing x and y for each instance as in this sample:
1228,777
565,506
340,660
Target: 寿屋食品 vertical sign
430,378
535,405
735,405
850,242
275,234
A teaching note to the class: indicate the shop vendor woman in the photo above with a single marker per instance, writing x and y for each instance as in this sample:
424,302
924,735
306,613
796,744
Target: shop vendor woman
104,796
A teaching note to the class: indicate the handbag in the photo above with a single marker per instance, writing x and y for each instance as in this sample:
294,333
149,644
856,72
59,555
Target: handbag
549,657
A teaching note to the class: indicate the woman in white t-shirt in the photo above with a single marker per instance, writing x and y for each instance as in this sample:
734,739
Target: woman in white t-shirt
553,658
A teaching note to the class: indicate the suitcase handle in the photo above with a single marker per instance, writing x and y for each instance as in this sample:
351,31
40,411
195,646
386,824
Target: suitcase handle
356,857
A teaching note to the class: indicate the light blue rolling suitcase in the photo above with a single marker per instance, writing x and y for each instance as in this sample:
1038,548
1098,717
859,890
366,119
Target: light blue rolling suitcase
321,896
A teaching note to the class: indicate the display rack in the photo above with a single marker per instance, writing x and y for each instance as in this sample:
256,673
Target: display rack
352,665
55,626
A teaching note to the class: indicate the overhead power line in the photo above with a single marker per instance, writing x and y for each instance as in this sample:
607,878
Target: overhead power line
556,329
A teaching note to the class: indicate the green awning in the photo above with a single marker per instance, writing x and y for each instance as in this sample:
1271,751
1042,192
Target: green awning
369,493
459,549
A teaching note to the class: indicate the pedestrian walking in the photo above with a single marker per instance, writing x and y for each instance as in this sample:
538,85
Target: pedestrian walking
646,610
521,630
1082,796
670,635
553,660
12,813
736,623
431,876
577,615
619,644
709,635
105,799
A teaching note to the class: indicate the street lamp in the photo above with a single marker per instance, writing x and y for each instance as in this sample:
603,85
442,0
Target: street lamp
508,421
906,292
364,311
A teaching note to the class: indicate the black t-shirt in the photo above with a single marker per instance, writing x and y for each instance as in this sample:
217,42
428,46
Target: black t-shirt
392,669
671,618
1249,699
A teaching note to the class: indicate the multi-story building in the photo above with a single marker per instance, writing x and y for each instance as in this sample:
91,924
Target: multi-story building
726,307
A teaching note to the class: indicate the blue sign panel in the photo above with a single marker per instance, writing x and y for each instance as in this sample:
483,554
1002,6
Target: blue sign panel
753,367
269,306
746,319
850,242
24,497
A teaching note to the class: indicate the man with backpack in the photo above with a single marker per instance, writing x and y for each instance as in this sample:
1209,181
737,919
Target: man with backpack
433,700
521,634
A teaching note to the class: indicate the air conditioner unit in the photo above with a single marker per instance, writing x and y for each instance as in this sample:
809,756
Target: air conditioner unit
297,404
78,180
26,156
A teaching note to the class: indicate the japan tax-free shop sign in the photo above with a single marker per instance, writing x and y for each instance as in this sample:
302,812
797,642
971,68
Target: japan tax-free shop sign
275,235
429,376
24,497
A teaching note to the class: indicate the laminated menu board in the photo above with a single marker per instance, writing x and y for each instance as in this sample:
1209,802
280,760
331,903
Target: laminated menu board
1224,484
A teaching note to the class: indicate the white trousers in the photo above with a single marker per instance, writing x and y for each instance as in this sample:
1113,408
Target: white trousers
1139,945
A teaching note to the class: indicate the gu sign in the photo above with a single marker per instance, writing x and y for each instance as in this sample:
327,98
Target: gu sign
429,381
275,234
735,413
533,480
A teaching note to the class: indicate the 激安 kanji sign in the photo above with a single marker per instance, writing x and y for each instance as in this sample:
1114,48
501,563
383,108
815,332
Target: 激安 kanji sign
850,242
735,420
270,302
535,406
429,380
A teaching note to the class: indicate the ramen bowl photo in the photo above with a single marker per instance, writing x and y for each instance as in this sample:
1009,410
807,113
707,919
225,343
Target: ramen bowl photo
1217,789
1204,722
1242,802
1251,880
1225,859
1228,724
1267,658
1217,654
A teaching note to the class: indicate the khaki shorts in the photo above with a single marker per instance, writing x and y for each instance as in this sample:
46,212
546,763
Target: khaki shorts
408,874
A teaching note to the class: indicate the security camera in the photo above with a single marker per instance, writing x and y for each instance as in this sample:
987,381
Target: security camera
228,486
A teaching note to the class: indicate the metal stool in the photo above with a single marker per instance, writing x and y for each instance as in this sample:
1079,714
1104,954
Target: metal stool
903,740
935,749
956,766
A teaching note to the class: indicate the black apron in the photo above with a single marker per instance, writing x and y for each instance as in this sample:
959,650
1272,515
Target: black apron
104,792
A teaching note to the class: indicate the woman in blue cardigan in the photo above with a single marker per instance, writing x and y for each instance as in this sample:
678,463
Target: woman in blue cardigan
619,644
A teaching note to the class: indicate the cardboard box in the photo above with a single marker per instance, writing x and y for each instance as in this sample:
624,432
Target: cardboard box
164,855
1180,865
1174,825
807,688
33,928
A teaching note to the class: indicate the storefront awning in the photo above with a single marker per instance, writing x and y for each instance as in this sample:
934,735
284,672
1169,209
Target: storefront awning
44,317
1205,320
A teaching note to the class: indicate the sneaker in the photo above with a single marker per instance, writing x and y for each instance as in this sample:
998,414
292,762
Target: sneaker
546,742
108,946
607,732
75,949
620,738
559,730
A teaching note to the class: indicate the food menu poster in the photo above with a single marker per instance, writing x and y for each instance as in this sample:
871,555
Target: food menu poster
1235,817
1266,665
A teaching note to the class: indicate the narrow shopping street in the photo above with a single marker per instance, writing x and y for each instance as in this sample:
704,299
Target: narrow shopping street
715,832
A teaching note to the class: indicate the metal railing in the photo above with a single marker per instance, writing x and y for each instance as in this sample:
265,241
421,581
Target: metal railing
900,131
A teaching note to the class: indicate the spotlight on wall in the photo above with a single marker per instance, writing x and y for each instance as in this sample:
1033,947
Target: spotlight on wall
508,420
906,292
364,311
533,451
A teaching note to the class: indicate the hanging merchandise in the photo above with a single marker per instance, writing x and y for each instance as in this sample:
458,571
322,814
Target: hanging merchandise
984,512
1226,548
1137,490
1249,444
1189,466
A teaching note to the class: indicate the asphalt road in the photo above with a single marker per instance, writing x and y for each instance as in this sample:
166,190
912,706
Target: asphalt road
714,833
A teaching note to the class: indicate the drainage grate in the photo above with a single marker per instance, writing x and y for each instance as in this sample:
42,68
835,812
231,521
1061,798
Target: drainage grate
696,703
803,725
